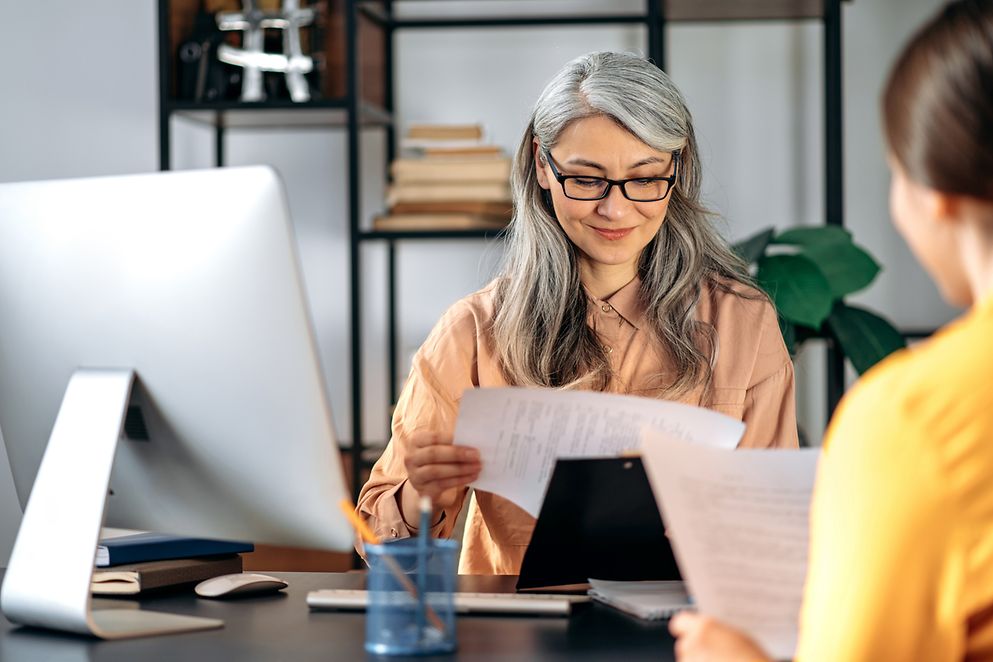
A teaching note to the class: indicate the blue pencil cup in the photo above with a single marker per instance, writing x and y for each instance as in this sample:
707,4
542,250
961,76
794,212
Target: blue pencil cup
397,623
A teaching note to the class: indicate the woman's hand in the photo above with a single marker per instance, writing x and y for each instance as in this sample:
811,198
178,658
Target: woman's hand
438,469
702,639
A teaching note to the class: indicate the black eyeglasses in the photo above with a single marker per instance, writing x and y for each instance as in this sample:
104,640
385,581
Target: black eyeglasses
638,189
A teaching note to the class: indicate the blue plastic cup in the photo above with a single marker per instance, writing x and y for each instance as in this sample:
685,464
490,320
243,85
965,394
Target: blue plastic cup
396,624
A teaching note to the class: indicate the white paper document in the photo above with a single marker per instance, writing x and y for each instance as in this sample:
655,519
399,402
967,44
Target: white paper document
738,524
521,432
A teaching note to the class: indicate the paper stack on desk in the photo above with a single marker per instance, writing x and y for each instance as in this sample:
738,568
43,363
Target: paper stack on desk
648,600
738,524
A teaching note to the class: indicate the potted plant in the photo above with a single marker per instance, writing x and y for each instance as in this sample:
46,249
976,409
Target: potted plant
807,272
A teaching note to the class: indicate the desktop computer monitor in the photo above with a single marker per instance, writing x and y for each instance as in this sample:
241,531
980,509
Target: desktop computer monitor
165,311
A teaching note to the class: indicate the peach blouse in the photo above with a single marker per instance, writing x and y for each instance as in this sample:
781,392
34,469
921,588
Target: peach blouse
752,381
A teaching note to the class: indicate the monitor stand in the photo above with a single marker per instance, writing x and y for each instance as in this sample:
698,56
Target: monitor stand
47,583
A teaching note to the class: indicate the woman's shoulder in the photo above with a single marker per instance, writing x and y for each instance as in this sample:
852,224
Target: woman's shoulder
480,305
944,375
725,300
467,318
751,347
933,396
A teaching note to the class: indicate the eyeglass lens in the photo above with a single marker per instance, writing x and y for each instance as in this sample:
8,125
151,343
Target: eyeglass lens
592,188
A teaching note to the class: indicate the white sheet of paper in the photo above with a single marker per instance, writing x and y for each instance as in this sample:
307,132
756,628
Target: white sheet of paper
738,523
521,432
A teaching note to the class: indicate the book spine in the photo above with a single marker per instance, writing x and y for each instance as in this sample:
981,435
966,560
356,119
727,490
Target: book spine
421,170
158,550
449,192
445,131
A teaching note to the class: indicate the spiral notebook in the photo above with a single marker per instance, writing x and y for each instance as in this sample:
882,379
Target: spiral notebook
648,600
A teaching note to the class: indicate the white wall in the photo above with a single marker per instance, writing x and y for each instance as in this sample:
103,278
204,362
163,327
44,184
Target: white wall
82,101
903,290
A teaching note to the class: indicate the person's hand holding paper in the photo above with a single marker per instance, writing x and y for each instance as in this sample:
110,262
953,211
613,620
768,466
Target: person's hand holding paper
738,523
437,469
701,638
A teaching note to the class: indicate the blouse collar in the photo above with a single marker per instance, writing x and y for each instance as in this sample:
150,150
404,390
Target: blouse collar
627,302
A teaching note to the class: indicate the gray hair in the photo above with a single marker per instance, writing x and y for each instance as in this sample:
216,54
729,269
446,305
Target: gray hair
540,331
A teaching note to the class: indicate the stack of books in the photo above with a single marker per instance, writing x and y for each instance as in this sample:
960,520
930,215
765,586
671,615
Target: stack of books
448,179
133,564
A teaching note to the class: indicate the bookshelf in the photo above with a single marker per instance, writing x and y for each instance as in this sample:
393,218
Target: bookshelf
358,95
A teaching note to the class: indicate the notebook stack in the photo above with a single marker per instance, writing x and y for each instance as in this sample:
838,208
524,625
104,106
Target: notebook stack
132,564
648,600
448,179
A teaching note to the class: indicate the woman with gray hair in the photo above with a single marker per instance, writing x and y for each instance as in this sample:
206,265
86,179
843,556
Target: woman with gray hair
614,280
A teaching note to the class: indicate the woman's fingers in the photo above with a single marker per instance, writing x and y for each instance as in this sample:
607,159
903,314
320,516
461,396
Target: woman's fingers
431,448
443,454
443,492
700,638
457,481
425,438
438,472
435,465
681,623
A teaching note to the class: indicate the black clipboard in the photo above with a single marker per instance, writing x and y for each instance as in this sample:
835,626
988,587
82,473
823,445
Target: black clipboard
599,519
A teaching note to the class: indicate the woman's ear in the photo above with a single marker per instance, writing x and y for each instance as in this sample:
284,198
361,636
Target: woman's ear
540,165
943,206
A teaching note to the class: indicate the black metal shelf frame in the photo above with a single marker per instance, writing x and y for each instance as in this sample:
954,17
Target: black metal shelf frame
352,114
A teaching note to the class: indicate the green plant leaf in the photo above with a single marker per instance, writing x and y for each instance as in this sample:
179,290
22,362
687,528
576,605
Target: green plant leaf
788,329
847,267
864,337
751,249
814,236
797,287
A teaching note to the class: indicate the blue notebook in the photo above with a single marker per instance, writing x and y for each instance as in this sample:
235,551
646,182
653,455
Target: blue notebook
140,547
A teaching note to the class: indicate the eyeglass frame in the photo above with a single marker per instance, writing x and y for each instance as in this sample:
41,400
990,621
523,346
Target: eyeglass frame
670,180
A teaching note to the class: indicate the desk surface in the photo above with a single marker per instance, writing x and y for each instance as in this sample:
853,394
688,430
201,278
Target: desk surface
281,627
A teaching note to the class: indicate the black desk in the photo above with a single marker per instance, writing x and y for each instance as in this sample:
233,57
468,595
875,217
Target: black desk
281,627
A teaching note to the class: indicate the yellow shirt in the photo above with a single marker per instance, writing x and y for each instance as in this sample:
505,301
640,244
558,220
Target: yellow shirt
901,551
752,381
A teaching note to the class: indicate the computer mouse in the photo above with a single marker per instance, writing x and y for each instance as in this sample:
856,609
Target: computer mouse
238,585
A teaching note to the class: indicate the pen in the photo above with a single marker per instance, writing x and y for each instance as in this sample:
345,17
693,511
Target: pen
372,539
423,543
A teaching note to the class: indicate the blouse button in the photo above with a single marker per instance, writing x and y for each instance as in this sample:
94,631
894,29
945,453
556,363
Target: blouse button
605,308
394,533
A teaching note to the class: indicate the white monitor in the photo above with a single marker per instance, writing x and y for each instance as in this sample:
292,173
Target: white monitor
186,285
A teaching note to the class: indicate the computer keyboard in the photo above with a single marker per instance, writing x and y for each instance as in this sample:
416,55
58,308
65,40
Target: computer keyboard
465,603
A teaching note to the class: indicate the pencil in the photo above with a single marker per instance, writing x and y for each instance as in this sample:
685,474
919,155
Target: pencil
372,539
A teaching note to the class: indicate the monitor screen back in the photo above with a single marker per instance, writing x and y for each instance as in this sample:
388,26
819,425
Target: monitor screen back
192,280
